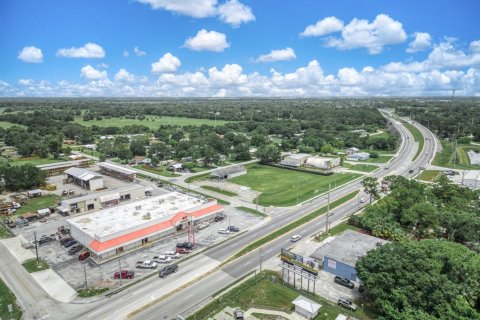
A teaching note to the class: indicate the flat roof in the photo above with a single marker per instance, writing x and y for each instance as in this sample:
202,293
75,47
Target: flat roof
57,165
134,214
229,170
103,193
348,247
471,175
115,167
298,156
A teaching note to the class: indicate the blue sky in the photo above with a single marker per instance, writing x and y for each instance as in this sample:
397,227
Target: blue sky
239,48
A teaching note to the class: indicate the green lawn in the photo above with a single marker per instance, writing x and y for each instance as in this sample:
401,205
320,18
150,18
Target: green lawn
85,293
417,135
153,122
221,191
34,204
268,291
159,170
36,161
199,177
252,211
32,265
6,298
430,175
446,158
4,232
6,125
380,159
363,167
279,186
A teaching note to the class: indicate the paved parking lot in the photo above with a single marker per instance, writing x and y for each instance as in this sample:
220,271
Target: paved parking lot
73,271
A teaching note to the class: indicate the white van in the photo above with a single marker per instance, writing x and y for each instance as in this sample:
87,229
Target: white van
172,254
162,259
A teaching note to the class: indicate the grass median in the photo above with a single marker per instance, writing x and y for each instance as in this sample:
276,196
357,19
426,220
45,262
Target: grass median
8,298
221,191
289,227
417,136
33,266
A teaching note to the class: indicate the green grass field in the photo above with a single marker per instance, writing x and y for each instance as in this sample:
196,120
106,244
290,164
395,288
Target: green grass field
279,186
363,167
221,191
199,177
430,175
6,125
35,161
417,135
7,297
268,291
152,122
34,204
159,170
380,159
446,158
32,265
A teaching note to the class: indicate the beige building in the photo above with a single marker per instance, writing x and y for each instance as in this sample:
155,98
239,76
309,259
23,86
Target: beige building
322,162
295,160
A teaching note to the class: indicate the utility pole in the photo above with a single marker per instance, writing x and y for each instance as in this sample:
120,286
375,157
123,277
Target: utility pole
120,270
328,208
261,256
36,244
298,186
256,201
85,274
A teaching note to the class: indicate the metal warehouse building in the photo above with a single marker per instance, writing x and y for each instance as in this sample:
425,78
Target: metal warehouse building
85,178
114,231
340,255
295,160
228,173
103,199
116,171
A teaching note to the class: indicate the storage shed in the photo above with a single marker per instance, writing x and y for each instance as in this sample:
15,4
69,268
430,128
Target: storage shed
306,307
84,178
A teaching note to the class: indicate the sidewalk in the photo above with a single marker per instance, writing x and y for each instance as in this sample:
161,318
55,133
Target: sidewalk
51,282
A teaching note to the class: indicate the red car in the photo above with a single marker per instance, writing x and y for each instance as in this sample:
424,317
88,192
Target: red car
182,250
124,274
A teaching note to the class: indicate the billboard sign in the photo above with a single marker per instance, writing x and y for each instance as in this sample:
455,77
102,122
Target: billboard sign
305,264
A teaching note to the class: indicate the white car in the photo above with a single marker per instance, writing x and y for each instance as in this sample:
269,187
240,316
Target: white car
147,264
172,254
295,238
223,231
363,200
162,259
331,213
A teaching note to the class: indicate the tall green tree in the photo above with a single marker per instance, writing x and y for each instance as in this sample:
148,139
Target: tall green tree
370,186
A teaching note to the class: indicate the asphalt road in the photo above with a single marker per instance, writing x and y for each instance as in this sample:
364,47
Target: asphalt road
118,306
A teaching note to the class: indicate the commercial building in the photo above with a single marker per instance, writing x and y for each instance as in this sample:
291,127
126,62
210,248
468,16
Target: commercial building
229,172
116,171
340,255
359,156
57,168
306,307
84,178
99,200
352,150
322,162
471,179
295,160
115,231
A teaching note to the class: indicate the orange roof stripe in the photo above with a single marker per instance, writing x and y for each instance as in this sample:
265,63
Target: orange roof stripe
145,232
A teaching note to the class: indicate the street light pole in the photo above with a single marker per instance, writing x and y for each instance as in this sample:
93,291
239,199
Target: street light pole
36,244
298,186
261,255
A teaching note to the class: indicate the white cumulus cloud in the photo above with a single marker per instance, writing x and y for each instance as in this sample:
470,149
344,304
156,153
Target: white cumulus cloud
192,8
373,36
166,64
207,41
89,50
139,52
124,75
235,13
31,55
277,55
323,27
422,41
90,73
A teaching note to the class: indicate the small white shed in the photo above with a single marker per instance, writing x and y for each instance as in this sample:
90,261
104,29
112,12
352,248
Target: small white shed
306,307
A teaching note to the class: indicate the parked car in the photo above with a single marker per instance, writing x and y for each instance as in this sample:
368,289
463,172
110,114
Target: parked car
147,264
64,240
347,303
238,314
165,271
162,259
186,245
172,254
233,229
223,231
70,243
218,218
45,240
295,238
84,255
124,274
182,250
202,225
16,205
74,249
344,282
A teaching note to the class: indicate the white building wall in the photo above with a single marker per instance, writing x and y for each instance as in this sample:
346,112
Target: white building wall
236,174
96,184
